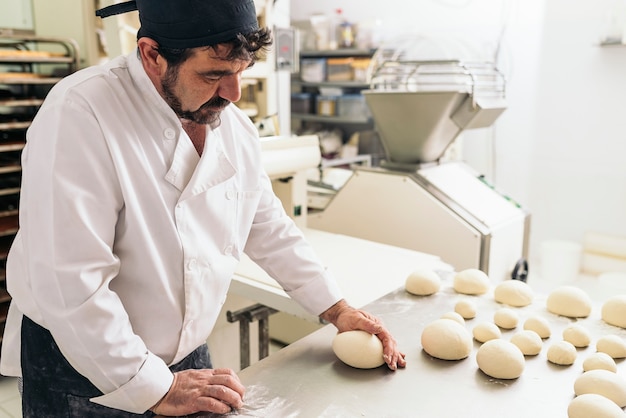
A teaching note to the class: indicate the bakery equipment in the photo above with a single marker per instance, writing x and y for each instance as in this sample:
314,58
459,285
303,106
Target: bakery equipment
416,199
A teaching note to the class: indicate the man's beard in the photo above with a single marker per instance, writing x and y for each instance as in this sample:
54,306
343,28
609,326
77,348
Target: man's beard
207,114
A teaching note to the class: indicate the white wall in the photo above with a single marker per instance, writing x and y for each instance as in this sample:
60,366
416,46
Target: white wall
560,147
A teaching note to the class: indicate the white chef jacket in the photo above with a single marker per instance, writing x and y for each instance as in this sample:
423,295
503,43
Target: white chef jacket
128,239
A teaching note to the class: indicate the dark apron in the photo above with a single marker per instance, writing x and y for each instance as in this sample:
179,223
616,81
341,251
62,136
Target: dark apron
53,388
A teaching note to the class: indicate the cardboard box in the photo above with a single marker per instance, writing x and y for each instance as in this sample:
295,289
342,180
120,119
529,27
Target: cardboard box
339,69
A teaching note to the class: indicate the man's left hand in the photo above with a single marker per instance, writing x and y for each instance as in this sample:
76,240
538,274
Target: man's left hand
347,318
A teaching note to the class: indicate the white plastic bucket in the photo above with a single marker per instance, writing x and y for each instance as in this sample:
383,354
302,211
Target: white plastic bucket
560,260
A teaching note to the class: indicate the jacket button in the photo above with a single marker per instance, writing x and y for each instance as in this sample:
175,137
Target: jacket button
169,133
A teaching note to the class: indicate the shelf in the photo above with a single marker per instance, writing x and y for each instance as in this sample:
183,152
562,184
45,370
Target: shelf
10,168
5,78
20,102
11,146
341,52
330,119
35,59
340,84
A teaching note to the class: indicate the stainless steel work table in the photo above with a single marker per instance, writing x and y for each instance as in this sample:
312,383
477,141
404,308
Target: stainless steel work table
305,379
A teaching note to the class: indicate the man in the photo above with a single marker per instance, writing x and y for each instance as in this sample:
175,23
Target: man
142,186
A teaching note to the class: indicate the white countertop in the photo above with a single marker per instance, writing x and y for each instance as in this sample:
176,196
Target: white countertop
365,271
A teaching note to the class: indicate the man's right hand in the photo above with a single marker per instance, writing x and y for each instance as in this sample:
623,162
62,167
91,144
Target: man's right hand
205,390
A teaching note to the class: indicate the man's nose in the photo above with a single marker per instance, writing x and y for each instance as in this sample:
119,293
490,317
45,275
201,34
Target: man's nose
230,88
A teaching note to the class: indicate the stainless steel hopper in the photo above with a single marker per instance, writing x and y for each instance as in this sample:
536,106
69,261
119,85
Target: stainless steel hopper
421,107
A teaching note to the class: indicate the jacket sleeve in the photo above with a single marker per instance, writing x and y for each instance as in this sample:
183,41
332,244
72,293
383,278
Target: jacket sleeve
278,246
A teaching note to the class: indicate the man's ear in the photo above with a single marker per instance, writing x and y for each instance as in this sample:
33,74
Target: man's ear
153,63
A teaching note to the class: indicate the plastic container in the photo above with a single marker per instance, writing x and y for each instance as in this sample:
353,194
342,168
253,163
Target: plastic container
352,106
326,105
301,103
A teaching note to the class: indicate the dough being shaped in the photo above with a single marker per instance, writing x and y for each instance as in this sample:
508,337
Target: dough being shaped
593,405
514,293
471,282
486,331
359,349
538,324
614,311
529,342
569,301
613,345
562,353
599,361
455,316
447,340
578,335
602,382
423,283
506,318
500,359
466,308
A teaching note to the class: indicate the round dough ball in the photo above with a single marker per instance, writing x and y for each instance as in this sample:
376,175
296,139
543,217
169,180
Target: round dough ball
447,340
613,345
614,311
538,324
471,282
593,405
500,359
529,342
562,353
506,318
599,361
486,331
602,382
466,308
359,349
578,335
569,301
454,316
514,293
423,283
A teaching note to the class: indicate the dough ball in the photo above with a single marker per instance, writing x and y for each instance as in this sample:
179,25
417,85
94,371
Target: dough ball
602,382
599,361
500,359
538,324
486,331
613,345
562,353
569,301
454,316
614,311
359,349
447,340
506,318
577,335
423,283
466,308
529,342
471,282
593,405
514,293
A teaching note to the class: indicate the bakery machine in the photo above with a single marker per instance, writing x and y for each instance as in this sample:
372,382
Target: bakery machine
417,199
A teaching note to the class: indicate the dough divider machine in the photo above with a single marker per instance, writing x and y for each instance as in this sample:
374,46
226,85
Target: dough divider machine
417,199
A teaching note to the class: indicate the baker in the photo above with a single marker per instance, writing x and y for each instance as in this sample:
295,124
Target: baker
142,186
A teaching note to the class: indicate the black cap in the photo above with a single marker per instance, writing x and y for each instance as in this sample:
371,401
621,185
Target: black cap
189,23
